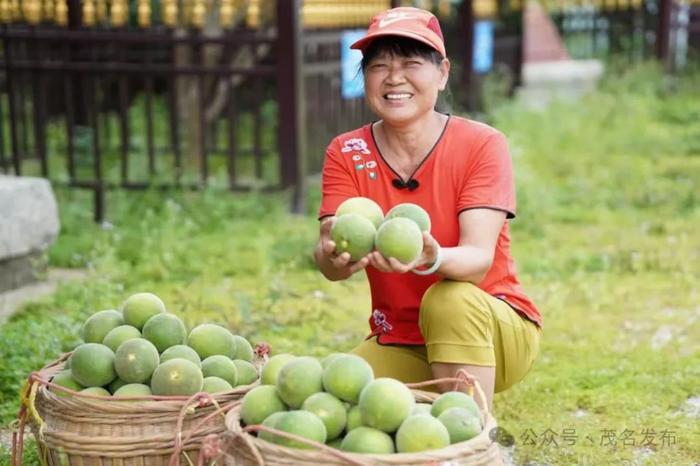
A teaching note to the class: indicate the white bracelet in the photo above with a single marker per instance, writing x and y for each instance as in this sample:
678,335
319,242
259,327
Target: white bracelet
433,268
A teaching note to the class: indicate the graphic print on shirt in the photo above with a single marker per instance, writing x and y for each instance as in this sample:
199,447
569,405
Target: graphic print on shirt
357,159
355,144
380,320
360,145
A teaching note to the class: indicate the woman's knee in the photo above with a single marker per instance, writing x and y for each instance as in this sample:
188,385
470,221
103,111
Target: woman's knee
451,302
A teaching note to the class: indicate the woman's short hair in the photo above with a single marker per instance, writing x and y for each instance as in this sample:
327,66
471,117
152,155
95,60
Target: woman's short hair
399,47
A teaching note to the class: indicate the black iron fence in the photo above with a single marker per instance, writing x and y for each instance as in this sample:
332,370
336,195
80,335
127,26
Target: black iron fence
176,105
167,94
139,94
327,113
631,30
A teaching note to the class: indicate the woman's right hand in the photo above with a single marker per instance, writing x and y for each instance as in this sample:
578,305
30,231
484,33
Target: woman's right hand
335,266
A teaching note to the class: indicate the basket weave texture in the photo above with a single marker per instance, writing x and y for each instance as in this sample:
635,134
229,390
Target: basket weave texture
85,430
244,449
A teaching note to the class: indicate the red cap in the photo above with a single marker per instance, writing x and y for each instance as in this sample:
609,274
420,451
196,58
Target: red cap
410,22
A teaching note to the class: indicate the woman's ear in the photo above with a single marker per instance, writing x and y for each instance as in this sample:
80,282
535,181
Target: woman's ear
444,68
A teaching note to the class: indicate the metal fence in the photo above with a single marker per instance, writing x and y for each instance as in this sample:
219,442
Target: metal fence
142,94
127,99
631,30
242,94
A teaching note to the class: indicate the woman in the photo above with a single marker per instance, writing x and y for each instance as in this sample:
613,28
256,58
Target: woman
459,305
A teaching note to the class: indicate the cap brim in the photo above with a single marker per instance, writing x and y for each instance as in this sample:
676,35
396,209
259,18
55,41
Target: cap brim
363,43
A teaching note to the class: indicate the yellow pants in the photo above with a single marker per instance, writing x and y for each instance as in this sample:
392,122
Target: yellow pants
461,324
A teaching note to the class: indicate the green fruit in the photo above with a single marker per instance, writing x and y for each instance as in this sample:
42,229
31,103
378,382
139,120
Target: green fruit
181,351
65,379
385,403
210,339
92,365
330,358
116,385
177,377
165,330
420,433
454,400
135,360
216,385
461,424
346,376
354,418
299,379
362,206
99,391
413,212
119,335
259,403
354,234
99,324
220,366
272,367
271,422
422,408
133,389
368,440
247,373
140,307
244,350
399,238
301,423
330,410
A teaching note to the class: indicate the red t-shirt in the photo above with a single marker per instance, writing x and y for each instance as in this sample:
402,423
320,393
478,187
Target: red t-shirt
469,167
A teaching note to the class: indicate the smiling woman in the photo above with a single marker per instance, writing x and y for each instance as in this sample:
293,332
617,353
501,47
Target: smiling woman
467,310
400,80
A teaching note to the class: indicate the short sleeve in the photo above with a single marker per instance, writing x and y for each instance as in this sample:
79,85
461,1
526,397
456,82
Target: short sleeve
337,183
488,178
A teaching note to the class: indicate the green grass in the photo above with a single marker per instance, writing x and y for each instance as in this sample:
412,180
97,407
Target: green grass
605,240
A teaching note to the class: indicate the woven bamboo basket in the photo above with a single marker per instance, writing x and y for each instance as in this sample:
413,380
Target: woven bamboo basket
86,430
240,448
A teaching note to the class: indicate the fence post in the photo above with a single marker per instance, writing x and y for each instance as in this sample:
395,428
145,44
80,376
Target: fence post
470,89
9,72
75,22
663,32
290,96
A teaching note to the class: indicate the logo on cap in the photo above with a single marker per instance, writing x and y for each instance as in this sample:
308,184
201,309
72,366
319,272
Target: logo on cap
394,17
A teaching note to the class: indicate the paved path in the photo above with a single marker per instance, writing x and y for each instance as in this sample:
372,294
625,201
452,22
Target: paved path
11,301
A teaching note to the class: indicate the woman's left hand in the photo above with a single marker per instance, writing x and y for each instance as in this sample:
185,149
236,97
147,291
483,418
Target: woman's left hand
392,265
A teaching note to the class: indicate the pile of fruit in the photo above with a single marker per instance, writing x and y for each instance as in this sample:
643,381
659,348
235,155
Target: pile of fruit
337,401
143,350
361,227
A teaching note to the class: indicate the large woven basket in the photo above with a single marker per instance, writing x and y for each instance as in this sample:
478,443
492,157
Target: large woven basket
85,430
243,449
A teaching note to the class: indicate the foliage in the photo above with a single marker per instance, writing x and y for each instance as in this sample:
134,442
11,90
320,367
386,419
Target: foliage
605,240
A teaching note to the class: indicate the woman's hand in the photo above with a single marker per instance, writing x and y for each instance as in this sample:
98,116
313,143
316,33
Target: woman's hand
335,266
392,265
